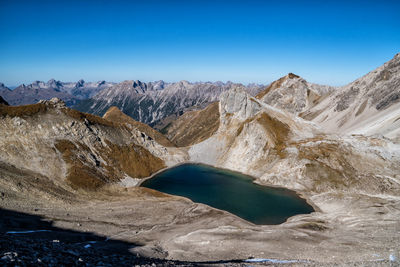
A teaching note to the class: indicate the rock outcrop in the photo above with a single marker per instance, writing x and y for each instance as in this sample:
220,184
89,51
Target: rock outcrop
238,103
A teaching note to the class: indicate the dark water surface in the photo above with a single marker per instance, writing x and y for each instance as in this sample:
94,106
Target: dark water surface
230,191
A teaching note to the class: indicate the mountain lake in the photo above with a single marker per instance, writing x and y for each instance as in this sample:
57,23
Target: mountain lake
230,191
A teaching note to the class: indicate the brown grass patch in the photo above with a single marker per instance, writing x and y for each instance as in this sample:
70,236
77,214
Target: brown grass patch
153,193
115,115
240,128
195,126
131,159
274,85
93,119
65,147
326,177
86,171
277,131
20,111
38,108
79,175
253,100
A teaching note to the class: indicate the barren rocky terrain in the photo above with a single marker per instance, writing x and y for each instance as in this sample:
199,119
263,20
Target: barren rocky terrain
80,172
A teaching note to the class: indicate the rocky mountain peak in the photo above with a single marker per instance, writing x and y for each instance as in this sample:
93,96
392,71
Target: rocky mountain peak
158,85
38,85
100,83
123,90
292,93
129,86
292,75
79,83
3,87
236,101
184,84
137,83
54,102
52,83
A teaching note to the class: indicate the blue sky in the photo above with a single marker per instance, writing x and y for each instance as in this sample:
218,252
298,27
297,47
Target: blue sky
328,42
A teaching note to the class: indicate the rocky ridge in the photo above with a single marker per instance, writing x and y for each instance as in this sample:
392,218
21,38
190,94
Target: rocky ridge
370,105
86,150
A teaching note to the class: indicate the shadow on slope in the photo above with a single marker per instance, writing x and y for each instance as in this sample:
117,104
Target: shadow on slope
27,239
31,240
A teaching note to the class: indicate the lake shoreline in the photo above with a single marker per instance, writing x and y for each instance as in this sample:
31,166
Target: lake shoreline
255,180
240,195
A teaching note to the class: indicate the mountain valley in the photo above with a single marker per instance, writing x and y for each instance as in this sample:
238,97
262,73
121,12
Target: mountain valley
337,147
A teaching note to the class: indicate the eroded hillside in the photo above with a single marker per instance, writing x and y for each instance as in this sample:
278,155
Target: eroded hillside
193,126
115,115
86,150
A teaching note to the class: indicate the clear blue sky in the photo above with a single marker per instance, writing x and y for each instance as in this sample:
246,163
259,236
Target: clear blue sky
329,42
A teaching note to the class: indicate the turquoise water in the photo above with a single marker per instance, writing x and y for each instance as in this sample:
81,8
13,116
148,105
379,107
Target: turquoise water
230,191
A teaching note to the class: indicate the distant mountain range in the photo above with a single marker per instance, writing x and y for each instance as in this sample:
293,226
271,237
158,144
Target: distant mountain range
70,92
354,108
149,102
154,101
